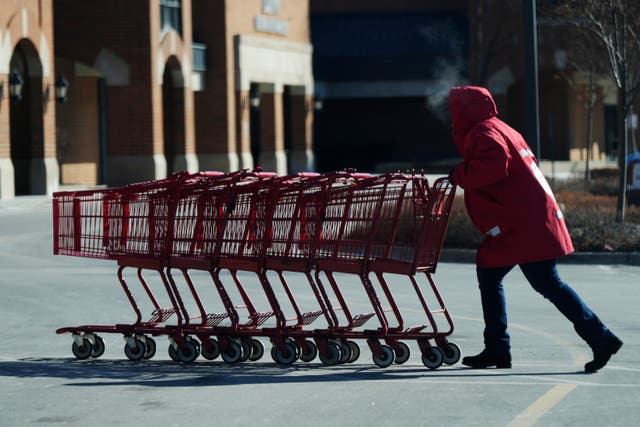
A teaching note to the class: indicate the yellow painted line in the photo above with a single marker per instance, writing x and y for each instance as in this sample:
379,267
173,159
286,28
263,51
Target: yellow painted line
540,407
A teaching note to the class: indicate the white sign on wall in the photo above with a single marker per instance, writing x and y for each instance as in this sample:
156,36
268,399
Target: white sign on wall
270,7
269,24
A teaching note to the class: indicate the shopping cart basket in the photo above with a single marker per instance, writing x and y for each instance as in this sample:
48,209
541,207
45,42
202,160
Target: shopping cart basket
254,226
294,230
389,224
129,225
255,222
216,228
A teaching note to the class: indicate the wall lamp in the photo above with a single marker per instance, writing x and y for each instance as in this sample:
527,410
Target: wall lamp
254,100
318,104
16,84
62,86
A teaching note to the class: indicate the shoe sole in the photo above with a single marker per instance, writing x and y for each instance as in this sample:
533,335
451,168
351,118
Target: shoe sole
497,366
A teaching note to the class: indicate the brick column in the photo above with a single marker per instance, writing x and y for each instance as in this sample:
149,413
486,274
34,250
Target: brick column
44,171
272,155
302,157
7,184
243,130
186,158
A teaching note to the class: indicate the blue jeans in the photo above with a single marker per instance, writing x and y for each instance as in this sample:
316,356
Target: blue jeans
544,278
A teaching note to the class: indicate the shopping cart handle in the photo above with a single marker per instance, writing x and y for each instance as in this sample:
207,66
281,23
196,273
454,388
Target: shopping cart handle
210,174
259,173
350,172
361,175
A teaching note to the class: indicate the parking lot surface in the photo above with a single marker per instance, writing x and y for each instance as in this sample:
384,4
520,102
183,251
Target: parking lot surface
42,383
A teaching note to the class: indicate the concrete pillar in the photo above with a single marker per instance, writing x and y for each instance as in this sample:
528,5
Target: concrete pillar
272,155
44,175
7,184
244,129
302,156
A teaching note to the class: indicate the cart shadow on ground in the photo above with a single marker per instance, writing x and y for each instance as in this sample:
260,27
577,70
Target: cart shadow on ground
166,373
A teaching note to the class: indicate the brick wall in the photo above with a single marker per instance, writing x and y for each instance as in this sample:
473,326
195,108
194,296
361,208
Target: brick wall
218,108
78,145
83,30
121,41
27,30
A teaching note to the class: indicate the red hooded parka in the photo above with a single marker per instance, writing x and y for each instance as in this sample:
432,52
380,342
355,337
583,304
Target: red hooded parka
506,196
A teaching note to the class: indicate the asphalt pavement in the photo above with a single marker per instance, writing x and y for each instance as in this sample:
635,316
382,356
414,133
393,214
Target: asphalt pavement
42,383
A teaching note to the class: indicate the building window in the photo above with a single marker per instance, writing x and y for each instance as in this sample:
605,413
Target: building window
199,56
171,15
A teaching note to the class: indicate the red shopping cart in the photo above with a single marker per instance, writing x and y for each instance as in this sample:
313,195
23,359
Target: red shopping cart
129,225
216,229
294,230
252,222
388,224
261,220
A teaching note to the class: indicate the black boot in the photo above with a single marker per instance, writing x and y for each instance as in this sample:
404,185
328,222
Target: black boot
602,355
486,360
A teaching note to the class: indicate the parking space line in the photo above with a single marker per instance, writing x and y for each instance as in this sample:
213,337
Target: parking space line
543,405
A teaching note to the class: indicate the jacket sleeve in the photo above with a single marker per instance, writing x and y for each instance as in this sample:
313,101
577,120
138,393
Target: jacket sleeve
487,162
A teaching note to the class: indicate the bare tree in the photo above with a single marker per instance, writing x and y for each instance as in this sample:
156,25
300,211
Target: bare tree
582,68
496,35
616,24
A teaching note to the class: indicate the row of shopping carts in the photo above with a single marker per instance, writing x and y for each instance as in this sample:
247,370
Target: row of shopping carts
222,249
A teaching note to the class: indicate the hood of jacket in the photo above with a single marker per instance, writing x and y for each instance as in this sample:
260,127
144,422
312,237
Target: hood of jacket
469,106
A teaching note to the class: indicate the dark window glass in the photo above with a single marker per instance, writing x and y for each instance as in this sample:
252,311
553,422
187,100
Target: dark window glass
171,15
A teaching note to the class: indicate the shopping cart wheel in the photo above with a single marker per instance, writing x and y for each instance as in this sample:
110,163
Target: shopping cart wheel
345,349
432,358
83,350
333,356
451,353
355,351
286,357
247,349
385,358
210,351
150,343
189,352
295,345
232,353
135,349
402,353
309,351
173,353
257,350
98,347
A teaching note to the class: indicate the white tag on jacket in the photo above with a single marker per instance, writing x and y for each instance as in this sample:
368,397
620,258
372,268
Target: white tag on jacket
494,231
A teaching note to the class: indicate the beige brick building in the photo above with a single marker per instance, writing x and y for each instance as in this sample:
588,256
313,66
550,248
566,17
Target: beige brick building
27,123
159,86
254,106
129,116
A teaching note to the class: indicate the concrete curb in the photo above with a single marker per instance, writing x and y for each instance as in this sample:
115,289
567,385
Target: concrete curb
609,258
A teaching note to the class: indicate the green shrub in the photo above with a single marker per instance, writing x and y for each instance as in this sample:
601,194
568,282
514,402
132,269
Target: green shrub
591,222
